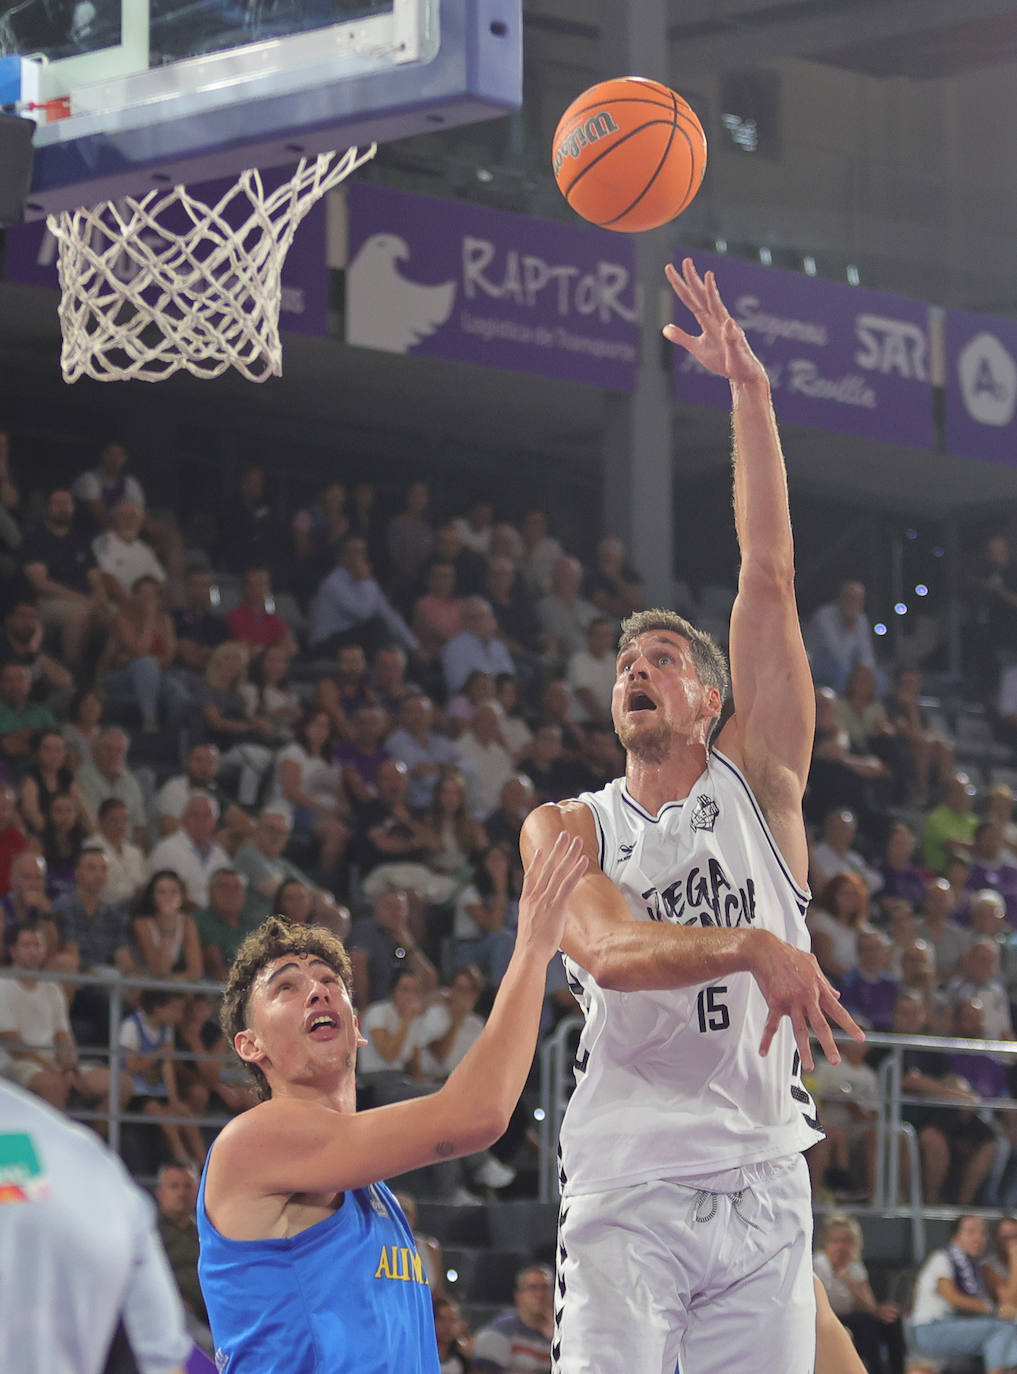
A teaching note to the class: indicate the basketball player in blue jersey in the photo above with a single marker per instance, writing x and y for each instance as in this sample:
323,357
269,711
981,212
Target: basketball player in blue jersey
686,1224
307,1263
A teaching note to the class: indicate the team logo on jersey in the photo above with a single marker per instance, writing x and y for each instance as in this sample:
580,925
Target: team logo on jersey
704,817
704,897
625,852
376,1203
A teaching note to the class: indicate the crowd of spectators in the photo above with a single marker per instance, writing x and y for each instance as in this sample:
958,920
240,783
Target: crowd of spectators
346,718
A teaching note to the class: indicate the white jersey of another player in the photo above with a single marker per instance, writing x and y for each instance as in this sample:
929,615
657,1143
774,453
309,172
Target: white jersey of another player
671,1084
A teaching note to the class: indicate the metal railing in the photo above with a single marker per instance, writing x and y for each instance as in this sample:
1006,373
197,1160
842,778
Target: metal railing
892,1132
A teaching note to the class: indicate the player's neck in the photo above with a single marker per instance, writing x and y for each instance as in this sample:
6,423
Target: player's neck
653,784
338,1092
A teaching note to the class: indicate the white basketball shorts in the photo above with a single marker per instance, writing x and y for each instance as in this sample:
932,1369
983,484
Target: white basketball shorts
712,1276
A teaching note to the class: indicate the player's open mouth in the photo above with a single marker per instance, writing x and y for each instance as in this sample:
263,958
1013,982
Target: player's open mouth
639,701
323,1026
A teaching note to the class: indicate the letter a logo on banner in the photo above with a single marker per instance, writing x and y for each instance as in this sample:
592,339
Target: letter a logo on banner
988,378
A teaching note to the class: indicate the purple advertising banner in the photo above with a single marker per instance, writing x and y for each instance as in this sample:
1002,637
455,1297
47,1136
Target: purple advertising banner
31,256
839,357
981,387
454,280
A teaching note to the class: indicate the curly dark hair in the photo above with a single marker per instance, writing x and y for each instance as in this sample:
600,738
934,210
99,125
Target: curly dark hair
272,939
711,664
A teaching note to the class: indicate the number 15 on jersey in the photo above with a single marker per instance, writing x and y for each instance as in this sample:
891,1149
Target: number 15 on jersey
712,1010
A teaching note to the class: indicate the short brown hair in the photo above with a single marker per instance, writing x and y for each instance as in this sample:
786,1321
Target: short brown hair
708,656
272,939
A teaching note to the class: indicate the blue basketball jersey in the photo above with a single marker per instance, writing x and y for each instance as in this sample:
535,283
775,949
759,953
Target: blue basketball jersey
346,1296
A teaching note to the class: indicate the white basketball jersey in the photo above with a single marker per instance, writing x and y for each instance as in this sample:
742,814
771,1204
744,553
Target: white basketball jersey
671,1084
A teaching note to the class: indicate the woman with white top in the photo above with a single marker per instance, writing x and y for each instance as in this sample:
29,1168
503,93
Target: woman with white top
875,1326
835,920
311,783
953,1315
167,937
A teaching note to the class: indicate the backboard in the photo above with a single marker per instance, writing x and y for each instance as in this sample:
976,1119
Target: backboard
168,91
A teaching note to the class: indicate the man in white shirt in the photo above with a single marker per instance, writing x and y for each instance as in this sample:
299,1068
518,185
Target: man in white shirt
37,1048
108,776
121,555
834,854
350,606
486,762
127,869
979,981
591,673
837,637
191,851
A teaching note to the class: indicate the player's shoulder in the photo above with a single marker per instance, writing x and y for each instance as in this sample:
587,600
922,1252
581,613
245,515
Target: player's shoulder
546,822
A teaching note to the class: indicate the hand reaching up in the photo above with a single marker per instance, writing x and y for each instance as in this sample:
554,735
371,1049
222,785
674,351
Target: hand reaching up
722,347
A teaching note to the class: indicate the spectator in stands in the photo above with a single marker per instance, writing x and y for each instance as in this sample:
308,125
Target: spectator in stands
255,621
294,901
553,776
484,759
944,936
899,877
389,842
999,1268
63,837
953,1316
515,732
93,938
201,774
125,863
242,739
451,837
394,1030
21,642
455,1344
310,782
198,628
837,636
469,566
604,757
221,927
365,519
250,526
875,1327
992,866
478,648
108,776
60,567
176,1193
514,611
51,773
84,724
978,981
991,586
540,552
350,606
590,673
950,827
101,489
478,690
20,718
361,756
421,748
191,852
930,756
901,929
861,713
408,540
138,656
842,911
474,528
835,853
452,1023
848,1097
480,930
987,916
957,872
839,779
122,555
519,1340
565,615
380,945
343,693
388,681
438,614
262,863
37,1048
13,840
165,933
612,583
517,799
998,807
868,990
26,902
918,977
146,1037
270,696
221,1080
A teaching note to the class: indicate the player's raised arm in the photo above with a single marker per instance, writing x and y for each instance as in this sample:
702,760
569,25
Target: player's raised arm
772,731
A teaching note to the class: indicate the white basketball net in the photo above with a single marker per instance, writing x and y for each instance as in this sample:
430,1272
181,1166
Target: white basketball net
166,282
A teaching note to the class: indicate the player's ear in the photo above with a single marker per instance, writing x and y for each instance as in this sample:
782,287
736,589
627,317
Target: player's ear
248,1047
356,1027
714,702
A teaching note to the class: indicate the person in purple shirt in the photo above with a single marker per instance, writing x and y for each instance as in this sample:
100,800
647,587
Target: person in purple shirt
901,877
868,990
363,753
992,866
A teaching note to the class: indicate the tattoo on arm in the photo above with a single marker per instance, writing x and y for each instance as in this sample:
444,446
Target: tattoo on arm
444,1148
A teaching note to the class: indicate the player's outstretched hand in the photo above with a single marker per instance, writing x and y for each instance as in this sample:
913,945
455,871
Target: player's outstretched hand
722,347
795,986
549,882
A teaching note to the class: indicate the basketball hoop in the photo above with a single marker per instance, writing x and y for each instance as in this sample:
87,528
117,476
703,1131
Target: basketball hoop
164,283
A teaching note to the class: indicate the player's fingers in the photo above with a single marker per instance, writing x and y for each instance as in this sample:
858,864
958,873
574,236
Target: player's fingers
569,875
685,294
844,1019
800,1026
821,1030
543,860
717,306
769,1031
675,335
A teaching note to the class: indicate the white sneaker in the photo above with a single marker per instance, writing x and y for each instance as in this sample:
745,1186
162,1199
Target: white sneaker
492,1173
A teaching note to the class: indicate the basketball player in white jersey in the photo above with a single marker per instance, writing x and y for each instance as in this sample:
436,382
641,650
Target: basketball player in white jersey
686,1222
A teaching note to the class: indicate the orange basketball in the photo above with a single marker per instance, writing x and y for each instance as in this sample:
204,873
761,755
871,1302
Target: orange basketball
629,154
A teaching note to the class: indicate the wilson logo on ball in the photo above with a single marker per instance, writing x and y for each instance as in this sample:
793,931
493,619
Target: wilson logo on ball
596,127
